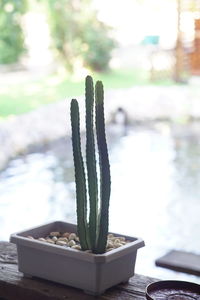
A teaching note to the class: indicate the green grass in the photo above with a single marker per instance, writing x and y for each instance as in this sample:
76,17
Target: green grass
27,95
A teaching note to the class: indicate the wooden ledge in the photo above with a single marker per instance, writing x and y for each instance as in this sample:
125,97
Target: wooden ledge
13,286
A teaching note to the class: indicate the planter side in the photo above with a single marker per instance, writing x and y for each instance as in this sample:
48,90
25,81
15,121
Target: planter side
90,272
94,278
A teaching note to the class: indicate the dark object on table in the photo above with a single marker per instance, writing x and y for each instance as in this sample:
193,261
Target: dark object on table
180,261
173,290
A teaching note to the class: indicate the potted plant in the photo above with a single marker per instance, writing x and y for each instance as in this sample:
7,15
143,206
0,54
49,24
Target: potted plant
83,255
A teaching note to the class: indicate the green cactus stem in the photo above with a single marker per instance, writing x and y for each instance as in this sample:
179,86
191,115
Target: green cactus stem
93,235
81,191
91,161
105,181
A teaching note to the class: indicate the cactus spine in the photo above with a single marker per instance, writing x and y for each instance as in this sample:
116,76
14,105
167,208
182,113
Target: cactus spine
92,234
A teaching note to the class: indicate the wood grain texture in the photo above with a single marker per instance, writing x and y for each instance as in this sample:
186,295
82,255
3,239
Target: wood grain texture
13,286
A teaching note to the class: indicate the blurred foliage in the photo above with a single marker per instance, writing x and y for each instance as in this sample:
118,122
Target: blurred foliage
78,36
11,34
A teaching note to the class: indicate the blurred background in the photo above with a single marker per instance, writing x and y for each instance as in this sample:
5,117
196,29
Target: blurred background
147,52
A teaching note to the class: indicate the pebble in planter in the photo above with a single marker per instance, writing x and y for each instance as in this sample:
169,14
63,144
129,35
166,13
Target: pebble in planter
72,240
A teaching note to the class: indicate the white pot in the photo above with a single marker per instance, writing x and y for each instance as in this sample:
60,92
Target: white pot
94,273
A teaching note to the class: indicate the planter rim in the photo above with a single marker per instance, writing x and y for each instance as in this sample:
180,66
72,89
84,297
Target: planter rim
20,238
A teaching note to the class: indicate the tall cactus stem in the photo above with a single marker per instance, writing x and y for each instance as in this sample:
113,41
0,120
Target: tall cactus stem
81,191
91,161
105,181
93,235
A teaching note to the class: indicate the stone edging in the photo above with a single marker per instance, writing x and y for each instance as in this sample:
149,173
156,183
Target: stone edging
52,121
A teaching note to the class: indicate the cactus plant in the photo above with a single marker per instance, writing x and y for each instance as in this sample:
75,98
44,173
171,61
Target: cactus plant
93,232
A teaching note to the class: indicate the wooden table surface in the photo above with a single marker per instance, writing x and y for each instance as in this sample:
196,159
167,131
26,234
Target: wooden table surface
13,286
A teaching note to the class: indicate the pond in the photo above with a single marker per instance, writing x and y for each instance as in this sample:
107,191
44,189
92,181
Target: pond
155,190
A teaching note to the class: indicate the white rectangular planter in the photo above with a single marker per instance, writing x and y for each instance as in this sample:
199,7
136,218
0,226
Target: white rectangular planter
94,273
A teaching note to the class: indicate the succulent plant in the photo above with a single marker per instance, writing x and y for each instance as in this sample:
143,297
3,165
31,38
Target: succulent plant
92,191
